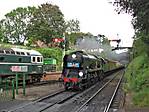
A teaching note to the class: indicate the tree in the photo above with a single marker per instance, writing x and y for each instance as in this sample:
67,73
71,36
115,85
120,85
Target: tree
72,38
140,44
138,9
73,26
103,40
47,23
1,33
16,23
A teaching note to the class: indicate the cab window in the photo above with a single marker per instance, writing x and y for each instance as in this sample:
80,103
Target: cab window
38,59
33,59
1,51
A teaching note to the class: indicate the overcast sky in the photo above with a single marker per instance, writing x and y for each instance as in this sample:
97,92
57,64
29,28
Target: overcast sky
95,16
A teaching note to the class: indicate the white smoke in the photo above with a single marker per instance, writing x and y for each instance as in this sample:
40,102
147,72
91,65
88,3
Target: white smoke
94,46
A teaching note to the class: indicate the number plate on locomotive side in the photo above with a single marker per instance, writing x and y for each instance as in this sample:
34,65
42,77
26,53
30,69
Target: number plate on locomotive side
69,64
19,68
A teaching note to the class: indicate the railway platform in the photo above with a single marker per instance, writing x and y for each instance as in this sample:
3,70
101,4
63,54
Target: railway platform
32,93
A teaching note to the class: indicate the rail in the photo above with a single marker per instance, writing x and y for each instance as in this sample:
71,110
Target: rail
112,98
99,90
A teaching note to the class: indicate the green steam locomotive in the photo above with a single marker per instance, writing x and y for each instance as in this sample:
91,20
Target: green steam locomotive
81,69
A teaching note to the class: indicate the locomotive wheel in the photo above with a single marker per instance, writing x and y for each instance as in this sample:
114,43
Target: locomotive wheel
81,88
100,75
66,88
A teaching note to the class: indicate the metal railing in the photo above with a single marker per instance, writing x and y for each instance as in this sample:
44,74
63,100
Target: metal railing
7,89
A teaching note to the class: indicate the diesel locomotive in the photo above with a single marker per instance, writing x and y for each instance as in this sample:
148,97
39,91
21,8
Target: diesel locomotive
81,69
17,61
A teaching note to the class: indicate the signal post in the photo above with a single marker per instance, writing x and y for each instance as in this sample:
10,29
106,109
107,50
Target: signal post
61,41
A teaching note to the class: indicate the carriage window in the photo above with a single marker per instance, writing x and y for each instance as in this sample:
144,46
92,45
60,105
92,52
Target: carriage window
20,59
1,51
28,53
41,59
22,53
18,53
34,59
7,52
2,58
38,59
12,52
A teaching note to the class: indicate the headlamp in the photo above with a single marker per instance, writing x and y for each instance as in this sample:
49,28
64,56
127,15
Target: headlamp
73,56
80,74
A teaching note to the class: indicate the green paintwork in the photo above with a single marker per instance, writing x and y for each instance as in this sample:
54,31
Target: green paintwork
49,61
9,62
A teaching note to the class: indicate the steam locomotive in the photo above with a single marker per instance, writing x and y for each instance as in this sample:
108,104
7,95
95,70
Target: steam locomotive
81,69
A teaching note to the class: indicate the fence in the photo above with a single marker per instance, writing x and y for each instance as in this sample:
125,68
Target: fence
7,91
9,86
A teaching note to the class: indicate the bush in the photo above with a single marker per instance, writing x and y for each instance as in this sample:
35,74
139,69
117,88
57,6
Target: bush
55,53
137,75
141,98
136,70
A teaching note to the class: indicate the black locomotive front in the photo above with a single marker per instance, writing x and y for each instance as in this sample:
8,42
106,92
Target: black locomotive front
79,69
72,70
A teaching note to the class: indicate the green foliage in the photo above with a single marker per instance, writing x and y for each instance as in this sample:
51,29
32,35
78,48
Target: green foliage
33,24
55,53
3,37
69,51
1,33
133,70
47,23
142,98
72,37
15,24
72,26
103,40
139,10
140,44
5,45
137,75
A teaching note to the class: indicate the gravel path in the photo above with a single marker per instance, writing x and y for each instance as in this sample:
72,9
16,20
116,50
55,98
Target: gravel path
32,93
39,91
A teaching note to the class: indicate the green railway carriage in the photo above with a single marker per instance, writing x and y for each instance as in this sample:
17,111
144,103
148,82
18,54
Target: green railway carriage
111,64
17,61
49,65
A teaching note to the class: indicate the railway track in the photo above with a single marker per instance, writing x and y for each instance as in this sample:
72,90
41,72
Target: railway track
45,102
114,94
49,101
79,101
85,105
76,102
